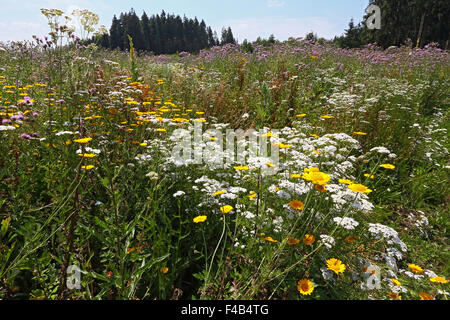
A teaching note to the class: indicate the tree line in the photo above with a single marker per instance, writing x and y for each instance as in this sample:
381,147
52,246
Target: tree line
420,21
161,34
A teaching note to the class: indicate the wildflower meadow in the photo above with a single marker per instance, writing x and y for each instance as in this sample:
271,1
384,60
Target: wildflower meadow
295,170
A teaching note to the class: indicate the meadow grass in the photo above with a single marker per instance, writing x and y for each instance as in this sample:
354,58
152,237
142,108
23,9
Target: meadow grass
88,176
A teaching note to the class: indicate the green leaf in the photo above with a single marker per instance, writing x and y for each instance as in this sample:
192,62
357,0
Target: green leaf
5,226
98,276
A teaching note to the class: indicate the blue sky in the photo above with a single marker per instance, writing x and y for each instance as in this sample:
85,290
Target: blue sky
20,19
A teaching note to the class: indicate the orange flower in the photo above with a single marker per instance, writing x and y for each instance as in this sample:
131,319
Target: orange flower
425,296
309,239
320,188
351,238
305,287
394,296
296,205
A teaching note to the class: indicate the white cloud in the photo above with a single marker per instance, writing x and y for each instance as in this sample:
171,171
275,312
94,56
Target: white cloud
21,30
275,3
282,28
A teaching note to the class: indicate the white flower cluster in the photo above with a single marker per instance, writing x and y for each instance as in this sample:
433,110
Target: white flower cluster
327,241
179,194
89,150
346,222
390,235
6,128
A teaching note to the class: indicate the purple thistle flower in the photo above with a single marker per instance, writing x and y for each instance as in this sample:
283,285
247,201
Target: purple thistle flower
17,117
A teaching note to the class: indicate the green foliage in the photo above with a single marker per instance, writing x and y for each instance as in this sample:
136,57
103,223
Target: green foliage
162,33
401,23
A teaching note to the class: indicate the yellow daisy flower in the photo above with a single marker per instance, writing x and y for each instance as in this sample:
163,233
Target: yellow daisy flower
226,209
336,265
200,219
359,188
305,287
83,140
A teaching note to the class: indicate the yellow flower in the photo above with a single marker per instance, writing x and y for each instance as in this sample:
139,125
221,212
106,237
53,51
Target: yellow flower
87,155
360,133
226,209
143,144
305,287
252,196
90,167
161,130
315,176
284,146
308,239
388,166
439,280
326,117
218,193
301,115
200,219
396,282
241,168
268,135
296,205
345,181
425,296
335,265
82,141
359,188
164,270
415,268
295,175
367,175
270,239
